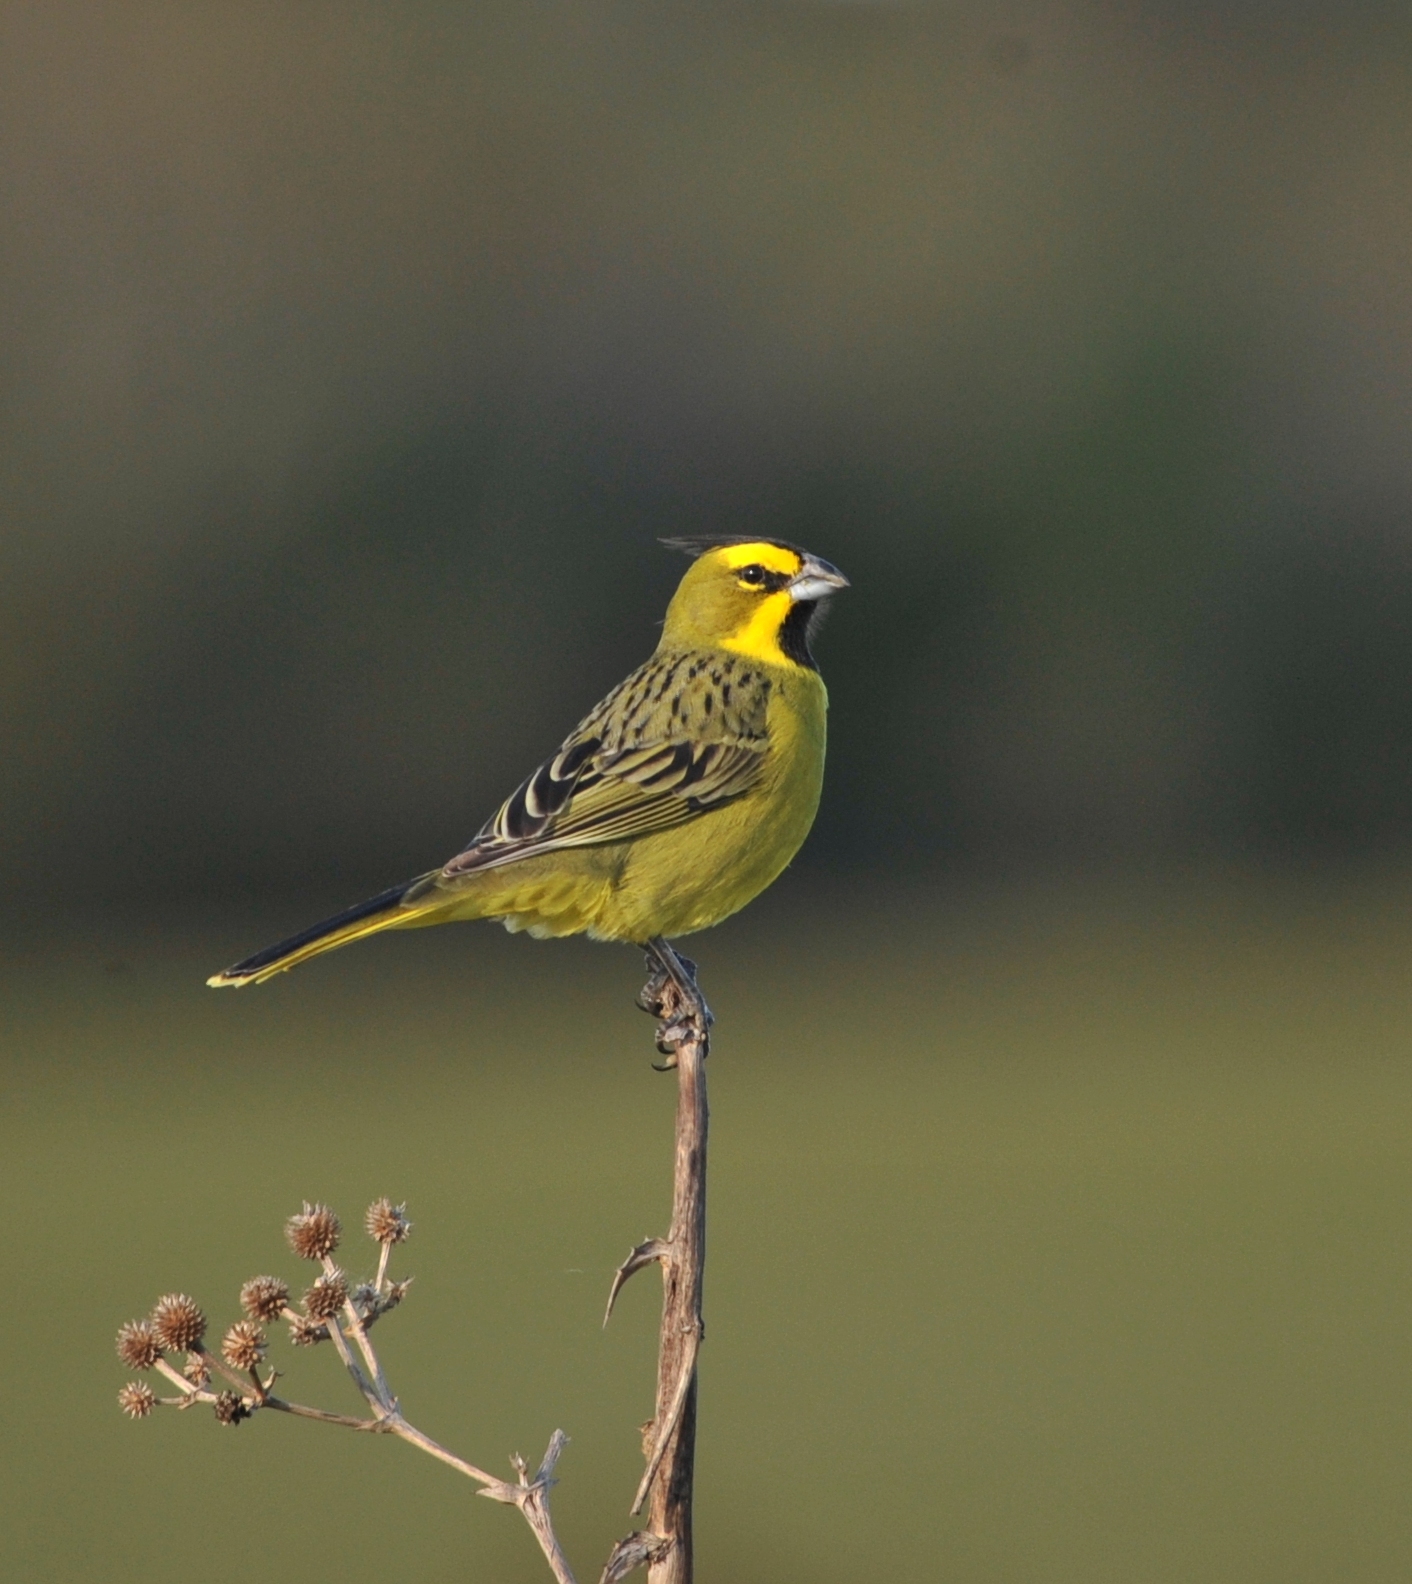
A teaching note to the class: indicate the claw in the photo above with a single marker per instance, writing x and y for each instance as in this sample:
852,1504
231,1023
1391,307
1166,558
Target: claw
653,993
672,996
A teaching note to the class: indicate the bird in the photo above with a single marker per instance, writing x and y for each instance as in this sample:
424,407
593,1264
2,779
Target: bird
671,805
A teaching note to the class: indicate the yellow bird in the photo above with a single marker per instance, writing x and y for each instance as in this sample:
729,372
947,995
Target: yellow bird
671,805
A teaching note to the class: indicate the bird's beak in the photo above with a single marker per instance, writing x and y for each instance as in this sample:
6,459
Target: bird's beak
815,580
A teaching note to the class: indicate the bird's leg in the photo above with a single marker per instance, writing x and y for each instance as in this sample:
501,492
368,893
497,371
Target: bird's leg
649,998
673,997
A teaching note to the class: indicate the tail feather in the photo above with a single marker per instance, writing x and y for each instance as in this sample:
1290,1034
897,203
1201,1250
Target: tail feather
384,911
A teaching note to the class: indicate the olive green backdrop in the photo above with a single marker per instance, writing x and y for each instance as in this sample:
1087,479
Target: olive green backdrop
352,359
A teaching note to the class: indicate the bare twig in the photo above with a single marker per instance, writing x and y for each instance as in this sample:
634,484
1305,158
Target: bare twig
635,1551
315,1233
359,1334
177,1380
532,1498
645,1254
669,1440
664,1424
214,1362
360,1380
301,1412
344,1315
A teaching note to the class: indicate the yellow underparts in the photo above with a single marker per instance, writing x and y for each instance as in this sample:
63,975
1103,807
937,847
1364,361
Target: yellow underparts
676,881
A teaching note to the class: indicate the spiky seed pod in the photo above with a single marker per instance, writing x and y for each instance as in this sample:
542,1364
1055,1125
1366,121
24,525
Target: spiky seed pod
178,1323
304,1332
314,1233
364,1297
230,1408
387,1222
396,1292
197,1371
138,1346
327,1296
243,1346
264,1297
137,1399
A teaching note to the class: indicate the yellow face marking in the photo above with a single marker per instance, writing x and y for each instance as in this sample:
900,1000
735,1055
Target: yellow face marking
773,557
759,637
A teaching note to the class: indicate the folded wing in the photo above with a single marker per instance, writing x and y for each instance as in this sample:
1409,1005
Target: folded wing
676,755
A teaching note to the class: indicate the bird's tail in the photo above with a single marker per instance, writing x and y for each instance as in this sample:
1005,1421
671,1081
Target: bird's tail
401,906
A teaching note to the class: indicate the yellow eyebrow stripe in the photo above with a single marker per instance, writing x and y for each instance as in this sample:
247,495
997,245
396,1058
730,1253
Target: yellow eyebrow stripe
774,558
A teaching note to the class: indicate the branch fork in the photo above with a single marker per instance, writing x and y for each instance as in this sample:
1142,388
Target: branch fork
331,1312
336,1312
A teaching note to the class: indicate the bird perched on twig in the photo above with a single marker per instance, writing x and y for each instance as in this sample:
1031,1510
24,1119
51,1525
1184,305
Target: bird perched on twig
671,805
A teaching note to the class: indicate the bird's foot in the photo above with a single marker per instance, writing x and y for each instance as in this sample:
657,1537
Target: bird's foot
650,997
672,996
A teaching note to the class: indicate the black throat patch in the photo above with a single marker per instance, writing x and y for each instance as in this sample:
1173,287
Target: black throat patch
795,632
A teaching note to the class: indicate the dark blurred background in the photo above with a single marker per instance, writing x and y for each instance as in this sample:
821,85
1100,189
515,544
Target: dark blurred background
355,356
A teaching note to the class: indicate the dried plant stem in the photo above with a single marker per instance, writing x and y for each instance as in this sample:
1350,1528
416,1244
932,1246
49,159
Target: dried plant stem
669,1483
360,1380
178,1380
531,1496
664,1547
381,1395
300,1411
669,1441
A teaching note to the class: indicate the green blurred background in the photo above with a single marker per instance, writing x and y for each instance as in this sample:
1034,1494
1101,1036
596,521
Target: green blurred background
354,356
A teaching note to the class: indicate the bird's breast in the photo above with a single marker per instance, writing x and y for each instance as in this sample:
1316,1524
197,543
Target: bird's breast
694,875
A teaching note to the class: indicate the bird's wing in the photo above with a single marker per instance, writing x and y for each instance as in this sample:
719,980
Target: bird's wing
672,743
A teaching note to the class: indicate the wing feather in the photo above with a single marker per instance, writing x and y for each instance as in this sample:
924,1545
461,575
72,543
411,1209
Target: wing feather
633,766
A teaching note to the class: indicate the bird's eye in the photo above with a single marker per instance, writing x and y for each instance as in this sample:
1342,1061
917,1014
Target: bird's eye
752,574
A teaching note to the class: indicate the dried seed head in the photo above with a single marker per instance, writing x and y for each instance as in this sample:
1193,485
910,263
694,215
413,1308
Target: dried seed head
137,1399
387,1222
230,1408
138,1346
396,1291
179,1325
243,1346
196,1371
314,1233
304,1332
327,1296
264,1297
364,1297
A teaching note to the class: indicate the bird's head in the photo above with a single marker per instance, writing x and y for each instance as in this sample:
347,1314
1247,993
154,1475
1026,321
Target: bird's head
758,597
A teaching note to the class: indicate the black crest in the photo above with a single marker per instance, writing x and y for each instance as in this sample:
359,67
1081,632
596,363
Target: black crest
698,544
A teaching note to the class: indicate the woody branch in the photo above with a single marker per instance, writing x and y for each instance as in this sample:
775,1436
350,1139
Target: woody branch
669,1440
